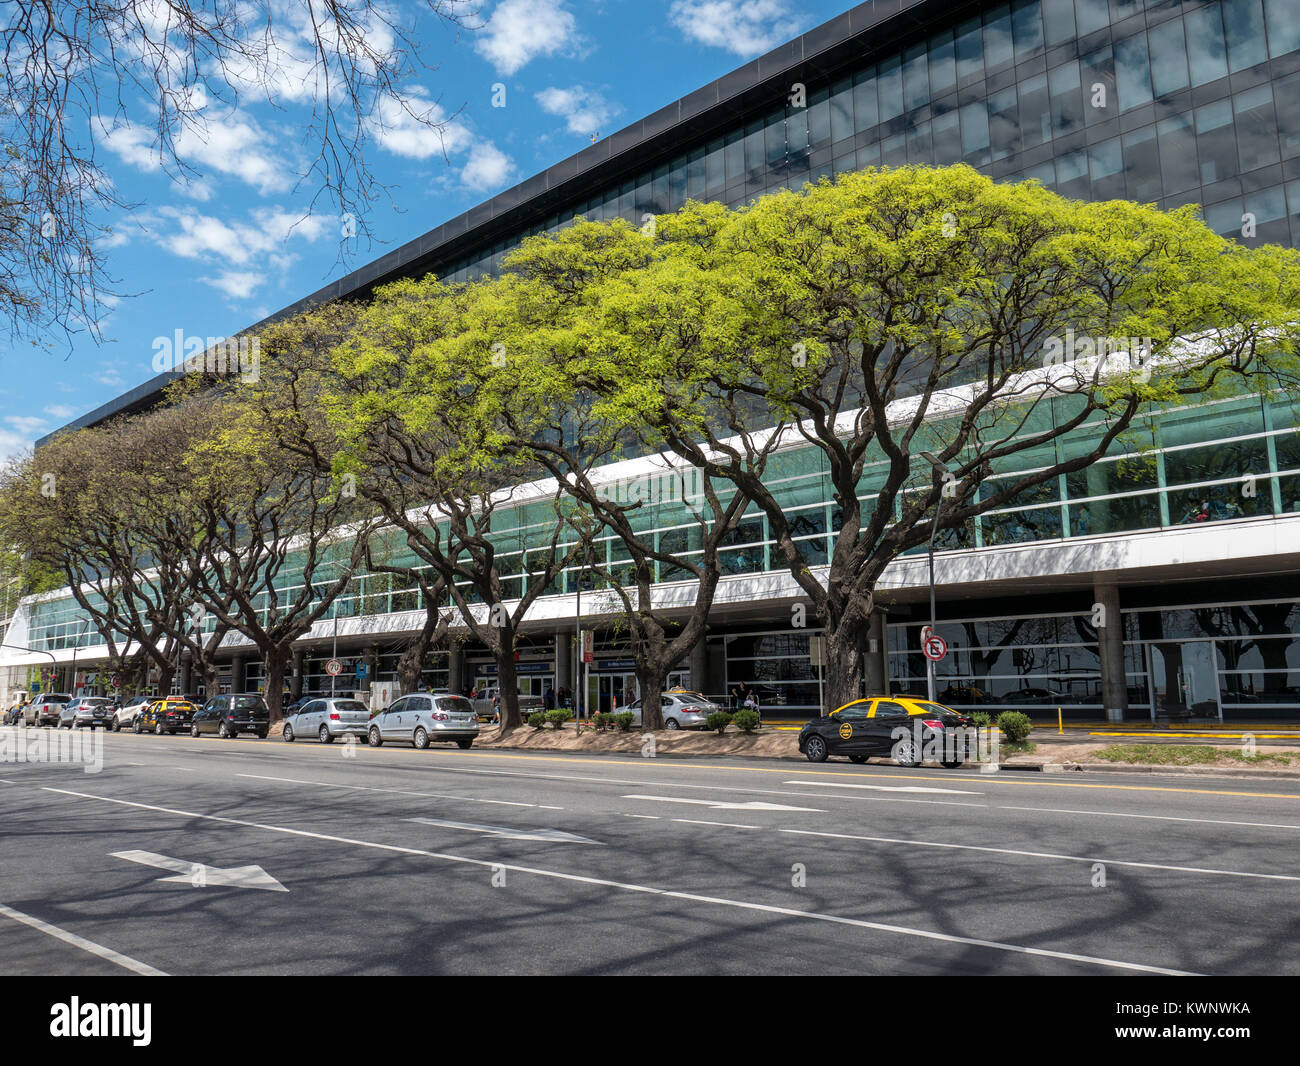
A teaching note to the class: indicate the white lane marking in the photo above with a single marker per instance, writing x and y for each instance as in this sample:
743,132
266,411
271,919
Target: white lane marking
390,791
125,961
650,817
1155,817
885,788
548,807
182,769
729,825
201,876
554,836
5,781
598,882
1048,855
722,805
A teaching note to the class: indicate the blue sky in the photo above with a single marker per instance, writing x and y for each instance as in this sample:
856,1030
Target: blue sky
235,242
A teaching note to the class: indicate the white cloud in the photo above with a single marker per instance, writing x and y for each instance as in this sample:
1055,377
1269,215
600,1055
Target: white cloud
237,284
60,410
199,236
225,142
585,112
744,27
27,424
488,167
408,133
521,30
111,377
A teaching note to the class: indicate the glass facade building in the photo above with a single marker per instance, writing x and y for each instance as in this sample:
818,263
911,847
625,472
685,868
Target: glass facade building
1162,102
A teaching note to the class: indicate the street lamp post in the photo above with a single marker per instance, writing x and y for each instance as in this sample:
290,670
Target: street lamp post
942,468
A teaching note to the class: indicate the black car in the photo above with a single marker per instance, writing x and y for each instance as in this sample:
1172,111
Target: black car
897,727
231,714
170,715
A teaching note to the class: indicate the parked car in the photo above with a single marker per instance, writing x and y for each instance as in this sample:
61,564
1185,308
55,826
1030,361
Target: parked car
86,711
682,710
422,718
45,708
124,717
896,727
169,715
484,711
326,719
232,713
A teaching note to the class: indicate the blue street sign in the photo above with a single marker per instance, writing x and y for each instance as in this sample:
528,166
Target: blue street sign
361,671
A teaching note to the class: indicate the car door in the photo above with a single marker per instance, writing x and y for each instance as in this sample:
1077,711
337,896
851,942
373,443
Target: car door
635,708
390,722
416,713
885,717
849,735
310,718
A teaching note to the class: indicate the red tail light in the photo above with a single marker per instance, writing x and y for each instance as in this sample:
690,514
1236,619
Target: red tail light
933,723
334,717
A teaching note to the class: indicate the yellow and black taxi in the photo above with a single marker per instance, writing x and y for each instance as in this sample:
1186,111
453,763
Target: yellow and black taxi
169,715
898,727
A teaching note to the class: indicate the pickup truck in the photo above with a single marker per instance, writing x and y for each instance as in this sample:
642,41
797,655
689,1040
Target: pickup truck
483,705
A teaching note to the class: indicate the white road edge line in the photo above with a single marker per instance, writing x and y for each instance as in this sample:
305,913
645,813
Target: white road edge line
1045,855
700,821
1155,817
762,908
125,961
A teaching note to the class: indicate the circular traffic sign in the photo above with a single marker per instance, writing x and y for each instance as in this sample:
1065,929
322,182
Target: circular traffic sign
334,668
935,648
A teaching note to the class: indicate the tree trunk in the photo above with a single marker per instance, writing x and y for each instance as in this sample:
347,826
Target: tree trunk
652,677
275,661
844,664
508,685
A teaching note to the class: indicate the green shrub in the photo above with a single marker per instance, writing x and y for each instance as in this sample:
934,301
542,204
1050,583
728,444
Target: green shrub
981,719
558,717
1015,725
537,719
718,721
746,721
602,720
624,720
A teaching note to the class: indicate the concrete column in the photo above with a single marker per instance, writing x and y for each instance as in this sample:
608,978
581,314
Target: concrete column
563,660
875,658
455,667
238,678
187,675
1110,640
295,680
700,678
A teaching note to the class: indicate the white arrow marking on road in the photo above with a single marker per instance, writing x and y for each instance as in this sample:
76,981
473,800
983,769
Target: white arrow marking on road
195,873
719,805
555,836
887,788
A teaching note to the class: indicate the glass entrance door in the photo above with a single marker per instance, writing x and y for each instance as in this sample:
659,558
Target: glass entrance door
1184,679
613,692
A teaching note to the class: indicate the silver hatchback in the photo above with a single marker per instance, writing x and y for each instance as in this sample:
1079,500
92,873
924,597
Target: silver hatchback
326,719
423,718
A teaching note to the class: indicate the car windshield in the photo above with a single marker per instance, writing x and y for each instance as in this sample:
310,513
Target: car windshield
57,699
96,701
690,697
248,703
459,704
934,708
349,705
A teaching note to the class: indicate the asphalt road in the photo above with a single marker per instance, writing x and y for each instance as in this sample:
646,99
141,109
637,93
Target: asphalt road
396,861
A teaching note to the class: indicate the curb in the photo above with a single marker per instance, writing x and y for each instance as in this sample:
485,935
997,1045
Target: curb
1192,771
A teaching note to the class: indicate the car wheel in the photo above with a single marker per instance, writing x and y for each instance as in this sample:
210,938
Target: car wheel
671,723
287,735
194,731
158,730
815,749
137,725
952,764
464,744
223,732
907,753
375,739
117,726
325,736
420,739
859,759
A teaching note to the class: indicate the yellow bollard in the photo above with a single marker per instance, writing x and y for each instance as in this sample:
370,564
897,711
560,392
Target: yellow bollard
1060,723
